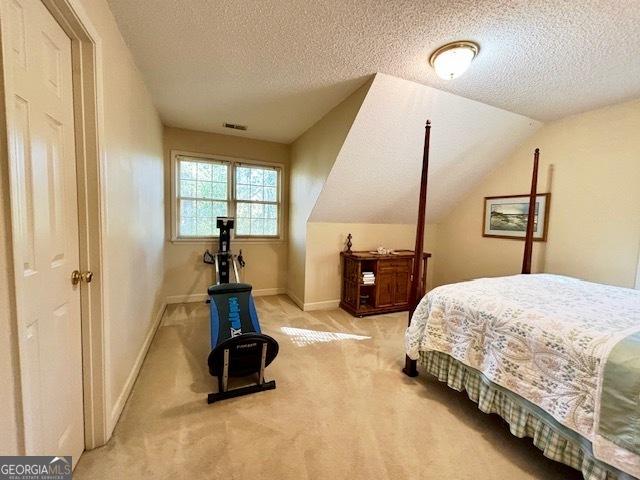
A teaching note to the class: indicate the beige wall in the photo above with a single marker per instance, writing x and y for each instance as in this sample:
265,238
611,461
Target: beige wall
312,156
134,214
325,241
591,165
186,277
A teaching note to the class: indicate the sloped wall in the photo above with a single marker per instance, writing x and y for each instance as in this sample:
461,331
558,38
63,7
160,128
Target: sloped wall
376,177
591,165
312,157
373,186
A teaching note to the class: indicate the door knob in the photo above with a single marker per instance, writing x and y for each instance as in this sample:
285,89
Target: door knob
76,276
87,276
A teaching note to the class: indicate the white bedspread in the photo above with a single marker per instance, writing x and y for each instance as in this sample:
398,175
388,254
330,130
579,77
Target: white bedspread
543,336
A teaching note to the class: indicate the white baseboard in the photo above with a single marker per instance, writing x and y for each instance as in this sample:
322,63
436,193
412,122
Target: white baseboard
263,292
118,406
195,297
201,297
309,307
325,305
295,300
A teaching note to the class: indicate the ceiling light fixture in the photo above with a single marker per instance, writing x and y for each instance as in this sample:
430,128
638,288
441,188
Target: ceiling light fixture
452,60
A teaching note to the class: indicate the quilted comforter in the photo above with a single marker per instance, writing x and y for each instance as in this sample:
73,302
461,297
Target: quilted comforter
544,337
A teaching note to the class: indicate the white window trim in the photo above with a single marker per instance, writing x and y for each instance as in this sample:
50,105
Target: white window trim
232,162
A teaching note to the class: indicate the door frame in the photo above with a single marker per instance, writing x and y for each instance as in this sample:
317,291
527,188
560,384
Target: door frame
86,53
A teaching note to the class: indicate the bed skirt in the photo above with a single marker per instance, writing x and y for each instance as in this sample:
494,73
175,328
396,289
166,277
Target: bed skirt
524,418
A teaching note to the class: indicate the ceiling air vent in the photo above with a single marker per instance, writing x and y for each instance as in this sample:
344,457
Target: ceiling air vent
235,126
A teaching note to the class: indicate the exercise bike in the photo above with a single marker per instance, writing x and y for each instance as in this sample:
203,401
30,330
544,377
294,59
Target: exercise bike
238,347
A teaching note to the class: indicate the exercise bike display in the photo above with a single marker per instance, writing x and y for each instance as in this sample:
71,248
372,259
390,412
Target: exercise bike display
239,348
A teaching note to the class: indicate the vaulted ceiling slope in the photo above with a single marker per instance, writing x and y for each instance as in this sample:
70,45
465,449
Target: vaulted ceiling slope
279,65
376,176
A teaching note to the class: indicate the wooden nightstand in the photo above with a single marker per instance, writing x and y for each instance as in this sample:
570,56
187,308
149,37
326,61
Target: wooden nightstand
389,292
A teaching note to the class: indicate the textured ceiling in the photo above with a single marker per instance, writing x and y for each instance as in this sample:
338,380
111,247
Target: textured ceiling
468,140
280,65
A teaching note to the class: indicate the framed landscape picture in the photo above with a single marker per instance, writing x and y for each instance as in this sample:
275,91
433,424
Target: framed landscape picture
506,217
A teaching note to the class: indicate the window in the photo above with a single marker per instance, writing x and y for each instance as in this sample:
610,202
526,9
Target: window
207,188
203,195
256,195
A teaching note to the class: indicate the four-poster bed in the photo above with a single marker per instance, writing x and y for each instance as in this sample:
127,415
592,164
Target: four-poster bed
556,357
415,292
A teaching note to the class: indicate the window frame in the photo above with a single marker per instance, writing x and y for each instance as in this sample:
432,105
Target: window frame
278,202
232,163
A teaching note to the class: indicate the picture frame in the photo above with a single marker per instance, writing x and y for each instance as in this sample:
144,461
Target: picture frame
506,217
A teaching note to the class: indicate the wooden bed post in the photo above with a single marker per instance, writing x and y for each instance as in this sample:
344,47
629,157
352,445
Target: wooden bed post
528,240
410,368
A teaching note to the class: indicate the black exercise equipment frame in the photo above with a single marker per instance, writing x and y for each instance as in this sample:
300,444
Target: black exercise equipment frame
264,341
253,351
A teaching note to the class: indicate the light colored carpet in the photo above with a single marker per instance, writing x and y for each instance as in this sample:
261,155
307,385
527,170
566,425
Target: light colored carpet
342,410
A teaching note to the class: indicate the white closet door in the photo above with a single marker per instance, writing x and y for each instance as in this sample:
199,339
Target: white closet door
45,222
